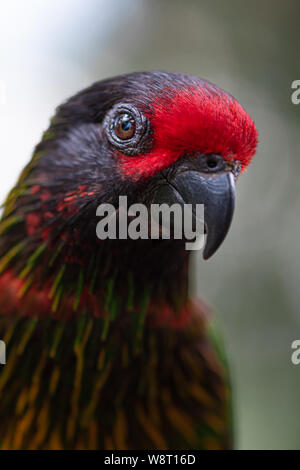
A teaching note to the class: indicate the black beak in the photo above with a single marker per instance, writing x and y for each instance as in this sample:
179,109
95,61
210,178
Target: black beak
215,190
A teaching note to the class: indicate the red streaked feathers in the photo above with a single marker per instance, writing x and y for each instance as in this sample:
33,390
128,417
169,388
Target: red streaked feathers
40,299
201,118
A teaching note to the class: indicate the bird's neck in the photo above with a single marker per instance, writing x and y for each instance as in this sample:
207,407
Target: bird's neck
123,282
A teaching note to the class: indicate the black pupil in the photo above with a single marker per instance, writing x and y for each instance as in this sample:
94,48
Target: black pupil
126,123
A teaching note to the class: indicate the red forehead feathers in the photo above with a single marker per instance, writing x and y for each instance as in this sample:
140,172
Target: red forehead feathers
196,119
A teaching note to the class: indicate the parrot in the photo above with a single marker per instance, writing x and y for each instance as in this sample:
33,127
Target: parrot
106,346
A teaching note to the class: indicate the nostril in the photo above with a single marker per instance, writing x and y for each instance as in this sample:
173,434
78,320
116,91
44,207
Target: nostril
212,162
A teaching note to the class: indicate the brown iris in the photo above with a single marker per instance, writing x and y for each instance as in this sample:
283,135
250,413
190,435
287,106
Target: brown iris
124,126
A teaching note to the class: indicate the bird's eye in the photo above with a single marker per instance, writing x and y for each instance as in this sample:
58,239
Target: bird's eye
124,126
127,129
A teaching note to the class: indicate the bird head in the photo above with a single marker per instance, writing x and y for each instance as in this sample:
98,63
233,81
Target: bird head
150,136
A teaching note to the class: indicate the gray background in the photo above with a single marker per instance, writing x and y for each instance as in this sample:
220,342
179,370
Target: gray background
50,49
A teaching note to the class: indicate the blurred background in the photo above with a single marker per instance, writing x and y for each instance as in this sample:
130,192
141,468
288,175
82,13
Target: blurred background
52,48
